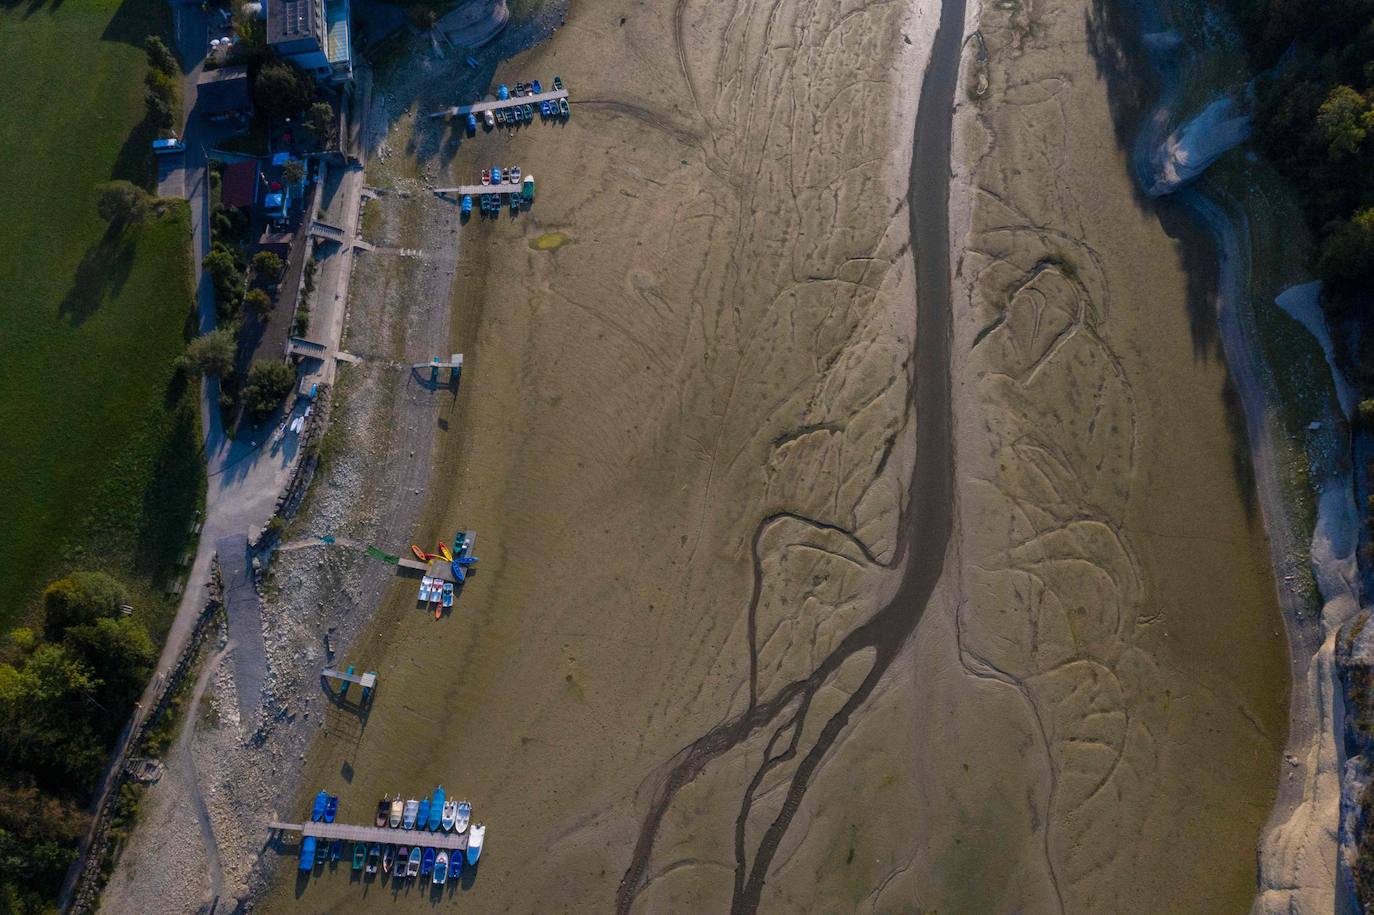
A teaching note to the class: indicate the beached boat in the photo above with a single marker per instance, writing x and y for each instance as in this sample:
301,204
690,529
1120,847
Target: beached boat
336,850
317,811
331,808
397,809
563,107
383,808
448,594
445,552
479,832
441,867
388,859
557,83
427,862
399,866
460,822
308,853
450,814
374,854
486,176
408,820
436,809
415,856
359,855
422,815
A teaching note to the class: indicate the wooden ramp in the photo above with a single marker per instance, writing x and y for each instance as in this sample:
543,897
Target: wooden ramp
382,835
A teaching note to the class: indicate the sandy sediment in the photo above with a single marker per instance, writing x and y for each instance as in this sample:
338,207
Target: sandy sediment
1115,610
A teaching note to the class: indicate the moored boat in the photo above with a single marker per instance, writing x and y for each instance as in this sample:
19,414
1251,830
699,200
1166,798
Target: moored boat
374,853
308,853
479,832
441,867
331,808
460,822
398,869
436,809
450,814
359,855
388,858
383,808
408,820
397,809
427,862
415,856
448,594
422,815
317,811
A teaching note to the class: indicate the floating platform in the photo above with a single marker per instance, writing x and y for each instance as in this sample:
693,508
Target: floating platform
382,835
479,107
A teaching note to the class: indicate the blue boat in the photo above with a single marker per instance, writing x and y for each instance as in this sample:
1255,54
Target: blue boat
331,808
427,862
496,175
436,809
336,850
536,87
441,867
472,124
503,92
448,585
308,854
422,816
317,811
466,205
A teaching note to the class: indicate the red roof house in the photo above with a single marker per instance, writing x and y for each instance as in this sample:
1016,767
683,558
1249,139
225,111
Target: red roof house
239,186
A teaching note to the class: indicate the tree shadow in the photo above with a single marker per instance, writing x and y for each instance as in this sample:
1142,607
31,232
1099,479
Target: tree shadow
172,494
1197,253
101,275
1241,465
135,20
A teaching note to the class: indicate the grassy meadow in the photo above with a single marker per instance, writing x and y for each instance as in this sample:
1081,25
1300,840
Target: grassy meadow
99,436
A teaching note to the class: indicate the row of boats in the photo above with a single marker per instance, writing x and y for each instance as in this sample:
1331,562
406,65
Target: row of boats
399,861
427,813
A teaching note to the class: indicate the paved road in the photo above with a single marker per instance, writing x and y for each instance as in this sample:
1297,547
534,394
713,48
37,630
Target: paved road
242,604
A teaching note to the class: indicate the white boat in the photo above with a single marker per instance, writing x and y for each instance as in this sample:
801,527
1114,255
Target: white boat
464,813
441,867
424,588
479,832
411,810
450,814
397,808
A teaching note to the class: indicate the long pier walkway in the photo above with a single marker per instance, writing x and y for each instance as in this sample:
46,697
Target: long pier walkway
382,835
477,189
479,107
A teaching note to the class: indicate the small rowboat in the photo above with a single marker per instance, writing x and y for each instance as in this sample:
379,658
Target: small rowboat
415,856
441,867
422,815
427,862
436,809
397,811
402,862
486,179
308,854
317,811
331,808
359,855
374,852
383,808
388,858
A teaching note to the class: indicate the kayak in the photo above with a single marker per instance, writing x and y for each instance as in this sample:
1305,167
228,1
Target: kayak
444,552
419,553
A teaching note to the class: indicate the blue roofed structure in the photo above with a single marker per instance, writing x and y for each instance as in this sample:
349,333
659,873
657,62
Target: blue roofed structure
314,35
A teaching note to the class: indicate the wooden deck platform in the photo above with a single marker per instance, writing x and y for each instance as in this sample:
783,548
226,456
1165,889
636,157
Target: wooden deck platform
479,107
382,835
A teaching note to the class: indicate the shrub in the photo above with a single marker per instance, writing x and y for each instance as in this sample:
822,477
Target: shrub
159,57
159,110
268,384
259,302
320,121
121,202
227,277
292,172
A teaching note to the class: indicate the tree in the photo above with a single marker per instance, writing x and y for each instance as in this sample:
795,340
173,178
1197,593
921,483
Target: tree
259,301
81,597
118,652
1344,118
1347,257
292,172
159,109
281,90
321,122
159,57
212,353
268,265
268,384
227,278
121,202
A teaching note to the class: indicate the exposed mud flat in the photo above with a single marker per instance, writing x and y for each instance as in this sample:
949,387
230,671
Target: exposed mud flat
1114,675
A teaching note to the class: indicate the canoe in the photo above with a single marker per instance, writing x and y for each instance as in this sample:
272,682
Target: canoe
441,867
427,862
464,813
308,853
450,814
415,856
397,807
479,832
408,820
331,808
422,815
436,809
383,808
359,855
317,811
388,858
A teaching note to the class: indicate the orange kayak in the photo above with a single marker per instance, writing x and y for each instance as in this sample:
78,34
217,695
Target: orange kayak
419,553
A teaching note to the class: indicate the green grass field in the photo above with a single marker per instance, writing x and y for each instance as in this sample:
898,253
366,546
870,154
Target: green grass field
99,437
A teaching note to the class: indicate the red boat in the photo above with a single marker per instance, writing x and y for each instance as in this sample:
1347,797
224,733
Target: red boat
486,176
419,553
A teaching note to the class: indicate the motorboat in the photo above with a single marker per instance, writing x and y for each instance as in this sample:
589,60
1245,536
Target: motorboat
536,87
427,863
331,808
383,808
479,832
460,822
411,809
397,810
486,176
359,855
495,175
557,83
317,810
415,856
388,859
450,815
513,174
422,815
448,594
489,119
440,867
436,809
465,206
308,854
563,107
401,864
374,852
472,124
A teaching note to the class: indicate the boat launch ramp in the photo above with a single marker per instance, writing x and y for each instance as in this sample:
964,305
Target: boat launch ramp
382,835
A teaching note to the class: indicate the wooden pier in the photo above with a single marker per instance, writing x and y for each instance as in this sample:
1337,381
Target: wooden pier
382,835
366,681
479,107
476,190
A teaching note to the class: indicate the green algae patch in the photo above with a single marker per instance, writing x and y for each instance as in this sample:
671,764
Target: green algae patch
550,241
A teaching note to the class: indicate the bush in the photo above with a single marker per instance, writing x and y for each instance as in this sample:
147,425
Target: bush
118,652
211,354
160,59
159,110
121,202
268,266
227,277
80,598
320,121
259,302
292,172
268,384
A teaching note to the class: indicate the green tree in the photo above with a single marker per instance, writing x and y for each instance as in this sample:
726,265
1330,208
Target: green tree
292,172
1344,119
159,57
212,353
81,597
281,90
321,122
1347,257
159,110
268,384
118,652
227,277
121,202
259,301
268,266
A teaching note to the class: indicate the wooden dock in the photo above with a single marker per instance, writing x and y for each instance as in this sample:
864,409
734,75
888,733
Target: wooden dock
382,835
475,190
366,681
479,107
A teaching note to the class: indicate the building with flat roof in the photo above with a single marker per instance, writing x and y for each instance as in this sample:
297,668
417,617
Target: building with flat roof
314,35
223,93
